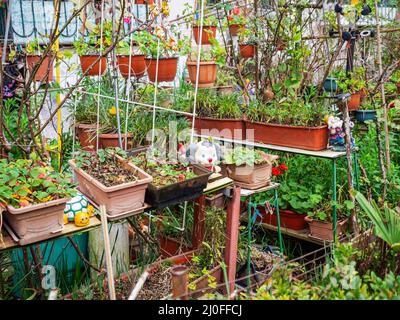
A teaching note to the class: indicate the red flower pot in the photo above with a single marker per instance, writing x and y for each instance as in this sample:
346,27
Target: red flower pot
171,247
308,138
41,74
144,1
235,28
88,69
207,33
207,73
247,50
289,219
86,134
110,140
354,102
223,128
138,65
166,69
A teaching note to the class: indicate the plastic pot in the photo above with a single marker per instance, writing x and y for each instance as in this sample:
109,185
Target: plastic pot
354,102
170,247
88,69
234,29
288,219
119,199
138,65
223,128
251,177
324,230
207,33
37,222
308,138
166,69
247,50
207,73
365,115
110,140
330,85
41,74
144,1
86,134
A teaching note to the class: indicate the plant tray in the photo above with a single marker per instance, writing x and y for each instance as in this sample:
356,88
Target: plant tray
190,189
118,199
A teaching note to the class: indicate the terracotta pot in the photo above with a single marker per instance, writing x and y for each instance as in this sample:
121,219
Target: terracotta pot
166,69
207,33
289,219
41,74
354,102
170,247
138,65
247,50
308,138
207,73
216,200
144,1
37,222
324,230
110,140
223,128
86,134
118,199
88,60
234,29
251,177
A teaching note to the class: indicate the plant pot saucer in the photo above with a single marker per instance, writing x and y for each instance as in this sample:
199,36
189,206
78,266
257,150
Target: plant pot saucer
119,216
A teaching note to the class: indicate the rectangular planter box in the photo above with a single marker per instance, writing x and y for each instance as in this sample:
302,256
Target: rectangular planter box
308,138
324,230
251,177
171,247
216,200
117,199
37,222
190,189
288,219
221,128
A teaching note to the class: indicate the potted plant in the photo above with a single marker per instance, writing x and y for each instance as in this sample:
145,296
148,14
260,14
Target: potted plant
247,43
209,30
251,169
289,121
207,65
368,113
330,85
147,2
88,49
44,71
235,21
353,83
218,115
162,46
172,182
35,196
126,60
108,179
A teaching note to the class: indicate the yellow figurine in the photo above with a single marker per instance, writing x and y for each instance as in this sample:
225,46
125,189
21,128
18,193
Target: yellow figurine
82,219
65,218
90,210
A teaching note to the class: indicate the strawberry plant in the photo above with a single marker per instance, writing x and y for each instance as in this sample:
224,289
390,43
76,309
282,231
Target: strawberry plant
240,156
29,182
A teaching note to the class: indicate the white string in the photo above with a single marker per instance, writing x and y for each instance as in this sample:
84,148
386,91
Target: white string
198,69
155,96
98,90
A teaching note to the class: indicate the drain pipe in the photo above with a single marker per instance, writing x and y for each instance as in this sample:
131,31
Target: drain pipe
180,282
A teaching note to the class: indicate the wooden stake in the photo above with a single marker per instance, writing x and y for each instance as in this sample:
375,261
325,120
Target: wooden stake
107,252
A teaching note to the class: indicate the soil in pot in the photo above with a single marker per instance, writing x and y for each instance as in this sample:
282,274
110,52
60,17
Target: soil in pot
247,50
112,181
41,74
207,73
86,134
166,69
110,140
288,219
88,60
207,33
308,138
324,230
138,66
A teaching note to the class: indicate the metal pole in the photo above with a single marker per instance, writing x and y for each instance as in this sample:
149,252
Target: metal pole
248,244
180,282
278,220
334,206
8,22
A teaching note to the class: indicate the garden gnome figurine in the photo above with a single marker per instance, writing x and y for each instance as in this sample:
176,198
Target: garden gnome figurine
205,153
337,134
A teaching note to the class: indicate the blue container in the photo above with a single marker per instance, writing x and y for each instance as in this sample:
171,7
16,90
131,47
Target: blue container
330,85
365,115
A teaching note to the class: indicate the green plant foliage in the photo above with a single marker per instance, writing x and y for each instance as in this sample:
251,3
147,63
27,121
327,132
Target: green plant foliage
244,156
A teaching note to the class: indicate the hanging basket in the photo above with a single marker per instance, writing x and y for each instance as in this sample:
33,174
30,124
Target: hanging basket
207,33
138,66
88,69
166,69
247,50
235,28
45,70
207,73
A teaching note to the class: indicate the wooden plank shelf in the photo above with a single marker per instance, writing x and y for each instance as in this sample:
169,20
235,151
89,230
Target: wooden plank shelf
69,229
